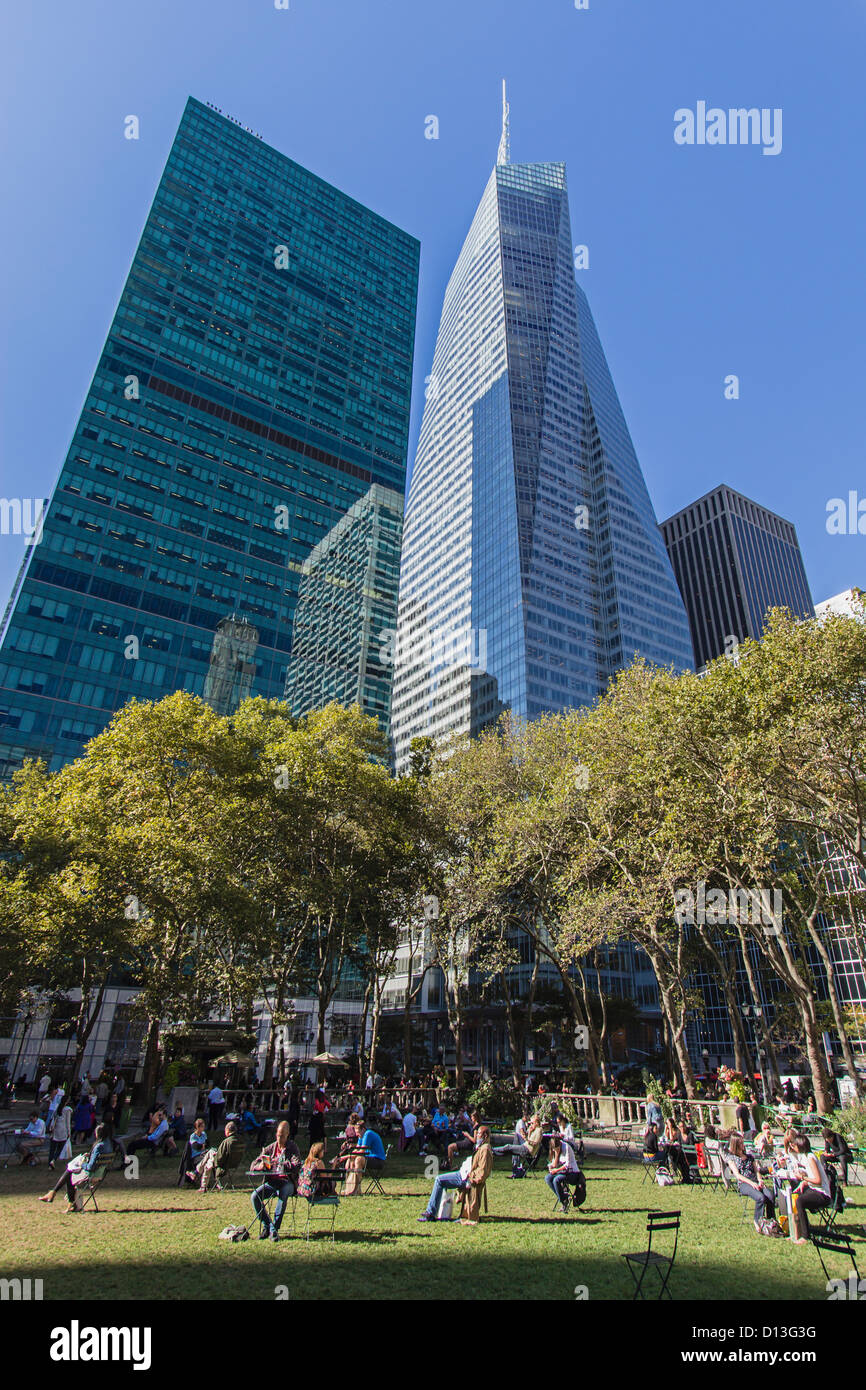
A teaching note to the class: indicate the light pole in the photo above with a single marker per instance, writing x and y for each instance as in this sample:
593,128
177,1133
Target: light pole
754,1012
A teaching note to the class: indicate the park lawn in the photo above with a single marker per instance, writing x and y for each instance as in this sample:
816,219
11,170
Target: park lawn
153,1240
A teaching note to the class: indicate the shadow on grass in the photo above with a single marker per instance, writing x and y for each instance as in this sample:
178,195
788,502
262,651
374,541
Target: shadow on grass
460,1269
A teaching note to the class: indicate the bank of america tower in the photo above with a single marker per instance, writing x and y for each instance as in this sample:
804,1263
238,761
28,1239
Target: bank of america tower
533,566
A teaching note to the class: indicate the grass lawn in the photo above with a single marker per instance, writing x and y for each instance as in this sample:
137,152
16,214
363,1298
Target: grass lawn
153,1240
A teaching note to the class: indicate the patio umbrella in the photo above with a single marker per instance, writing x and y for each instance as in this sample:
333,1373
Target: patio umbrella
233,1059
327,1059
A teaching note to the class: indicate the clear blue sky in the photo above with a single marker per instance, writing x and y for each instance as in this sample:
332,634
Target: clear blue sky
704,261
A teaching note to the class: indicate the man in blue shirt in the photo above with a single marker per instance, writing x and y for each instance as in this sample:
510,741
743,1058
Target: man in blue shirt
371,1144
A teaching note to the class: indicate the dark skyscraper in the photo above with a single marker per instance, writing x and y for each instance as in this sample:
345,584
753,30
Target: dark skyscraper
733,560
254,388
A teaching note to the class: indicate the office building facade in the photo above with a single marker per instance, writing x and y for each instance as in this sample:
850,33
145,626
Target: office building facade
254,388
733,560
532,556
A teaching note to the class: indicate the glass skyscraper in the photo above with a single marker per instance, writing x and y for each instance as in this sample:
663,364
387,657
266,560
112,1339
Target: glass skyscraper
533,566
734,560
253,392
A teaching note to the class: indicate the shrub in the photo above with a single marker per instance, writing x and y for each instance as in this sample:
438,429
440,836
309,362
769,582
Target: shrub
850,1122
497,1099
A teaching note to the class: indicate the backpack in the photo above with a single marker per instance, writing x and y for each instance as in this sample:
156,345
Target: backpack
578,1185
663,1177
307,1182
769,1227
517,1168
235,1233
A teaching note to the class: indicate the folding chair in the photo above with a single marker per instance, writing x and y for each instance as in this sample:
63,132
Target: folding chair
98,1174
330,1203
825,1217
714,1168
375,1174
643,1260
690,1154
650,1164
840,1244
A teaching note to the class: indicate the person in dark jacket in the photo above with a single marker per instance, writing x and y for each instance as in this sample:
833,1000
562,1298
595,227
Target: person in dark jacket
837,1152
220,1160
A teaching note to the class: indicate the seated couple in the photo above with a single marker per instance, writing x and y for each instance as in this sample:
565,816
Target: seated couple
362,1142
216,1162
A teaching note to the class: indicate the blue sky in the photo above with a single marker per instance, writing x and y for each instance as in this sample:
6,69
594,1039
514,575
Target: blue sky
704,261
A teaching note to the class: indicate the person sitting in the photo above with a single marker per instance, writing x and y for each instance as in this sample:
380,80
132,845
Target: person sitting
457,1180
311,1184
370,1151
408,1131
217,1162
442,1128
78,1170
250,1126
813,1191
563,1162
390,1114
566,1134
651,1148
177,1125
764,1146
673,1151
281,1161
465,1126
31,1139
476,1182
157,1134
837,1152
197,1141
749,1182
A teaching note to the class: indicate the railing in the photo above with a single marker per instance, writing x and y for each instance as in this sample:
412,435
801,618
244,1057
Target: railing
594,1110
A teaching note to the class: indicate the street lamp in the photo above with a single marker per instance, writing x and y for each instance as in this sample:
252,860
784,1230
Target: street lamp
754,1012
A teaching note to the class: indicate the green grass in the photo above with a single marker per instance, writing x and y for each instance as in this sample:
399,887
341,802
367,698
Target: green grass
153,1240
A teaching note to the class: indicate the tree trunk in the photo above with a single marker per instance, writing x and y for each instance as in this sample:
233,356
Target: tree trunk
85,1025
771,1071
513,1042
835,1005
147,1089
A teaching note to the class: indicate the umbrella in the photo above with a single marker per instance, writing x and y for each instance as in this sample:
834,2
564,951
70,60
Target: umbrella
233,1059
327,1059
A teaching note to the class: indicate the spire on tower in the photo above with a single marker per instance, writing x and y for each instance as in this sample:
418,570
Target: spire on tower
504,153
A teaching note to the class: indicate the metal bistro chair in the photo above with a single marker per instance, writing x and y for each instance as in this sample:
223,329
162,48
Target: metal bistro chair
330,1202
838,1244
642,1260
88,1189
375,1174
713,1176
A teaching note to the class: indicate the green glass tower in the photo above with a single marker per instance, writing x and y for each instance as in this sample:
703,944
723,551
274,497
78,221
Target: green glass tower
253,392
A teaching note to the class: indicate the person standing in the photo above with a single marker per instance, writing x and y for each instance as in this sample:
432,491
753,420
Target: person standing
216,1102
60,1133
43,1088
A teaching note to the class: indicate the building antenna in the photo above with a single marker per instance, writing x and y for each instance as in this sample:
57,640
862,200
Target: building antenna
504,153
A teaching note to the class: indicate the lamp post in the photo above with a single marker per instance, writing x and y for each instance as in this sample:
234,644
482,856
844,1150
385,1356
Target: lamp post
753,1012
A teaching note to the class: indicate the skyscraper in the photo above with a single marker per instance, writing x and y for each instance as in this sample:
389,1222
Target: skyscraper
533,566
733,560
531,552
254,387
347,610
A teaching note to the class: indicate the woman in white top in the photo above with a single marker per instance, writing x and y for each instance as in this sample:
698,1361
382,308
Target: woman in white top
813,1191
